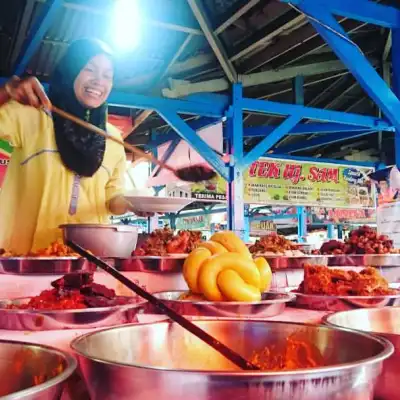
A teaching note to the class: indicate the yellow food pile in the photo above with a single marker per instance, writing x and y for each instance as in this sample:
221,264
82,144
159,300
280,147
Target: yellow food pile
222,269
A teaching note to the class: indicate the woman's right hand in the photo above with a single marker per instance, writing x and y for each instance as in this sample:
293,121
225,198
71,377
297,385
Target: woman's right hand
27,91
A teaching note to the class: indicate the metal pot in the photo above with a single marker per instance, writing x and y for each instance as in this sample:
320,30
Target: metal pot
382,321
164,361
22,363
108,241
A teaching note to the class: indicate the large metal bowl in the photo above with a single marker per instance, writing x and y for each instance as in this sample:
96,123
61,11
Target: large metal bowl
343,303
271,304
386,323
164,361
23,364
108,241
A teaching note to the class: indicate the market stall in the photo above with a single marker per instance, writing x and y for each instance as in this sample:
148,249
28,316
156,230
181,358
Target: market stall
247,294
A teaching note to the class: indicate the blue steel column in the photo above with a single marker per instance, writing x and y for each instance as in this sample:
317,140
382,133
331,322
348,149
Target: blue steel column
301,224
302,218
396,83
340,232
235,146
331,231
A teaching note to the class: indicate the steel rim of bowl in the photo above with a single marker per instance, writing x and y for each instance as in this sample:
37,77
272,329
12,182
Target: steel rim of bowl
71,366
286,298
162,258
350,298
387,351
32,258
128,227
325,320
71,311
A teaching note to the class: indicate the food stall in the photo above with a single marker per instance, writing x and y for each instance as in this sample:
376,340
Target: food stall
223,286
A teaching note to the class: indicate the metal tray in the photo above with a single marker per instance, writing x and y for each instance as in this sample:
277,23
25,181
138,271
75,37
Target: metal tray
364,260
88,318
279,262
272,303
44,265
344,303
171,263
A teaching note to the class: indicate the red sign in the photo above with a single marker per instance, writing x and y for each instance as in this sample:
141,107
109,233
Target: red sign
342,215
124,124
4,160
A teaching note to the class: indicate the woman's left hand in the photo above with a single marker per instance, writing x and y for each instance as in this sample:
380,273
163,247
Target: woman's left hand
120,205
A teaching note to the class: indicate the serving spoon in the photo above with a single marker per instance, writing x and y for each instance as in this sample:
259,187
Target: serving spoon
231,355
191,173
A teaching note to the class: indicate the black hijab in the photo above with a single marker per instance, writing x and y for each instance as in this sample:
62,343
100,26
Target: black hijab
81,151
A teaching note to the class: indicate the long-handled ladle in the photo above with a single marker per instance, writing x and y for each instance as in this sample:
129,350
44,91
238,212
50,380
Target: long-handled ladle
231,355
191,173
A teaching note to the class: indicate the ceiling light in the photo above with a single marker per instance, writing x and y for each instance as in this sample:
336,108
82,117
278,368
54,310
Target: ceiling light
126,25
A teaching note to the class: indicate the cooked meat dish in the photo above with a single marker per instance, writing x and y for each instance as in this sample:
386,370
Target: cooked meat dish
162,242
322,280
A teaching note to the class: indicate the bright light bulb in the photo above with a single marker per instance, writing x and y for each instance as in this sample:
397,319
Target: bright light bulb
126,25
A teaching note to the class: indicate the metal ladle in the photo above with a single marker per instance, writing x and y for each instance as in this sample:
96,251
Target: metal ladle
191,173
231,355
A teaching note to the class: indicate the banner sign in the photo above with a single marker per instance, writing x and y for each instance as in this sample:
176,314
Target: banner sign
285,183
262,228
5,154
388,221
196,223
321,215
301,183
214,189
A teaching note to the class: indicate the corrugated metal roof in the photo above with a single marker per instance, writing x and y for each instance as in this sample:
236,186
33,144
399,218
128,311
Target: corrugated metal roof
269,36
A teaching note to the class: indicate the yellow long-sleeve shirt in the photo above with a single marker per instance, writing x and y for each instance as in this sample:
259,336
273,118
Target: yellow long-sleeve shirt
39,193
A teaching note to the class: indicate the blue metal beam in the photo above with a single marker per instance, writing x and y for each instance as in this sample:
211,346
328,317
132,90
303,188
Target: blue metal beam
267,143
213,107
168,153
396,83
301,129
36,34
195,141
320,160
272,217
171,134
355,60
320,141
159,104
262,131
275,108
299,89
361,10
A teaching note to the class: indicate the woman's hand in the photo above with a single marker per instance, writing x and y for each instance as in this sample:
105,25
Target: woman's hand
27,91
119,205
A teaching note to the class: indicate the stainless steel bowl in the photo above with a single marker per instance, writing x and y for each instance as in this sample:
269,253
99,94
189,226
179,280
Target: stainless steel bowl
87,318
164,361
22,364
344,303
113,241
386,323
272,303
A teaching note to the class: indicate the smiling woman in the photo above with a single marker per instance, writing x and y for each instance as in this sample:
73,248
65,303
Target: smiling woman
60,172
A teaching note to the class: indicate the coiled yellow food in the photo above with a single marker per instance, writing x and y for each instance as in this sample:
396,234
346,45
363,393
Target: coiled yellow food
218,273
231,242
192,266
214,247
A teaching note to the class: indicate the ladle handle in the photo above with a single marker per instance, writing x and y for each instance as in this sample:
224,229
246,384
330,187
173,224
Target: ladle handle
231,355
103,133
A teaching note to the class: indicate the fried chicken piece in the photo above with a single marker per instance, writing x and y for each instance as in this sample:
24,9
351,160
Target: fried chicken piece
326,281
273,243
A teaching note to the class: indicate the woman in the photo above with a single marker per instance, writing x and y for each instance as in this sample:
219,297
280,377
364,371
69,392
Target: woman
60,172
